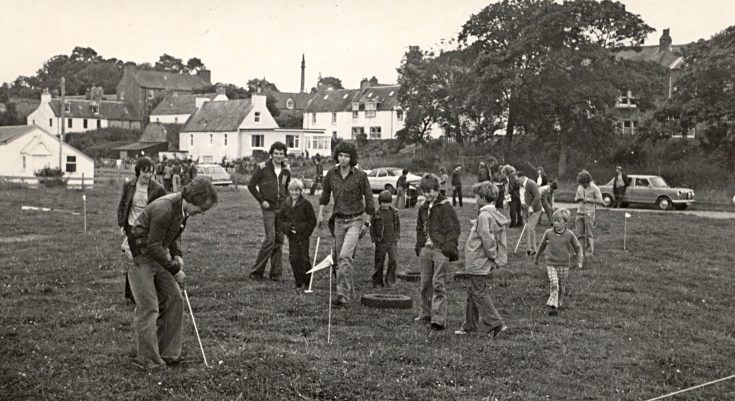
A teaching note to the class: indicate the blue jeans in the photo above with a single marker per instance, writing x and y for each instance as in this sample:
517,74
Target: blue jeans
271,248
159,312
433,298
346,237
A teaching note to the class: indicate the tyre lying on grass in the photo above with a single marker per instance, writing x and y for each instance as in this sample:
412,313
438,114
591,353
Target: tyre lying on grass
387,301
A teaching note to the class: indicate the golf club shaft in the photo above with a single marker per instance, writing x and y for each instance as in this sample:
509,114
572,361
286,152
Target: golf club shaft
316,252
195,328
523,231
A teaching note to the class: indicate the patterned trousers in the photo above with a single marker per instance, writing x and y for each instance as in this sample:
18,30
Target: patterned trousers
557,284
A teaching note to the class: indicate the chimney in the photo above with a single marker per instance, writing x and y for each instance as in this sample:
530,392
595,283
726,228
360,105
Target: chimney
206,75
303,72
97,93
129,68
45,96
364,84
258,100
221,90
373,81
664,43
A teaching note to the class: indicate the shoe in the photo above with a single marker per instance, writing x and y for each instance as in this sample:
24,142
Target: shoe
461,332
500,330
437,326
553,311
256,277
175,361
424,320
340,300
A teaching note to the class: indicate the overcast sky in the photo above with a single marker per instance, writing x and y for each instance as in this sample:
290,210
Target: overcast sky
242,39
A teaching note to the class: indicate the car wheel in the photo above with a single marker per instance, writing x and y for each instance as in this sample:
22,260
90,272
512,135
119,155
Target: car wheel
663,203
391,189
607,199
387,301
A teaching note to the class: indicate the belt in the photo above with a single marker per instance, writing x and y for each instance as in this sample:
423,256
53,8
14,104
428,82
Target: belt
347,216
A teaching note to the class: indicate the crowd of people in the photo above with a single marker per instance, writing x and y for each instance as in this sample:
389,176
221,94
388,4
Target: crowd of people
153,212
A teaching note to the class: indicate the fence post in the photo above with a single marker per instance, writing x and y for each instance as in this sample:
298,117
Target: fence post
82,182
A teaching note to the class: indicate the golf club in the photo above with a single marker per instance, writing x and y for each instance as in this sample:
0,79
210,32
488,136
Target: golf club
195,328
311,278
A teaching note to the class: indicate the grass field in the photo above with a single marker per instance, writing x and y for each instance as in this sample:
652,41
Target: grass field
638,324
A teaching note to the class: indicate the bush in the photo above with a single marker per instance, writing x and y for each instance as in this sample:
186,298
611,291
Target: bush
50,177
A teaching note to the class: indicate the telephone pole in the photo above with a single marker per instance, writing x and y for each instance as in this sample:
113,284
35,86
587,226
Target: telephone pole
63,127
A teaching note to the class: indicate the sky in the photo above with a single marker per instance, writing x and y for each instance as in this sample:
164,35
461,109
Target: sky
243,39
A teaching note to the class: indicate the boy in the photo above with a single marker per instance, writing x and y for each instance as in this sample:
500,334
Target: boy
486,250
297,221
385,232
547,198
457,185
560,241
401,188
588,195
437,233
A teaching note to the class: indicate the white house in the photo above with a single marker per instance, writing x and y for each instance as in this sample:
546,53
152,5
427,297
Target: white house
24,149
177,108
344,113
233,129
81,115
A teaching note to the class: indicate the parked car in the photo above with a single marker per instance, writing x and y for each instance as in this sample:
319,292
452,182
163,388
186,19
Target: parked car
383,178
217,173
650,190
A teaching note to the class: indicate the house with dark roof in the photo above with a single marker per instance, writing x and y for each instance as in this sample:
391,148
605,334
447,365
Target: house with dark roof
157,137
290,103
372,110
176,109
667,55
81,115
233,129
141,89
25,149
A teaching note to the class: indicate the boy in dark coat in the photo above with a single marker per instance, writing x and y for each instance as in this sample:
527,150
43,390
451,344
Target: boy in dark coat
385,231
297,220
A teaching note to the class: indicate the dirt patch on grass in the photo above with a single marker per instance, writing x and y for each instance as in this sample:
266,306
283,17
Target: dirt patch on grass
22,238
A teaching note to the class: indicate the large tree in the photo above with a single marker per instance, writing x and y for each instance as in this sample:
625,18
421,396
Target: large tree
419,90
169,63
330,83
256,85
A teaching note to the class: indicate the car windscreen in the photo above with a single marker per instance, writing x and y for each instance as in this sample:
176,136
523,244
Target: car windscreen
658,182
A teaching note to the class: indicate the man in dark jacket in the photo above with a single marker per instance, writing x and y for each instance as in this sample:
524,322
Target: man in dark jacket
269,185
620,183
437,234
457,185
158,272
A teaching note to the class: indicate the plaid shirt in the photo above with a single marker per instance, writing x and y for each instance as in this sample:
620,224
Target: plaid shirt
352,194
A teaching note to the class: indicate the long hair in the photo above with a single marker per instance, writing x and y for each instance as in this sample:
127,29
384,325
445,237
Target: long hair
346,147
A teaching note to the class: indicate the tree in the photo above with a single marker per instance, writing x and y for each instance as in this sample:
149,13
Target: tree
272,104
84,55
194,65
418,93
705,92
168,63
330,83
256,85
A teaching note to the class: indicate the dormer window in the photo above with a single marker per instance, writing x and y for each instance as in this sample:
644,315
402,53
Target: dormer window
289,104
399,114
67,108
150,93
355,106
96,109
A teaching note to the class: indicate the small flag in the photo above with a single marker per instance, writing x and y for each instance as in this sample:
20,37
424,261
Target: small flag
323,264
627,215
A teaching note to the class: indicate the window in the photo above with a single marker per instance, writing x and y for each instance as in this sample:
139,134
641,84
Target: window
257,116
375,132
67,108
211,138
24,162
292,141
357,131
626,100
334,118
69,123
399,114
225,139
313,118
370,109
84,123
99,124
50,122
34,122
71,164
257,141
289,104
355,114
150,93
191,140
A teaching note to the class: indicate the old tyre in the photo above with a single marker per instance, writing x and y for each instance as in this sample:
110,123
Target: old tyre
663,203
409,276
607,199
387,301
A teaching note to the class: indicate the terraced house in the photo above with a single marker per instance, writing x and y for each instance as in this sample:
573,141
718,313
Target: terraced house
372,110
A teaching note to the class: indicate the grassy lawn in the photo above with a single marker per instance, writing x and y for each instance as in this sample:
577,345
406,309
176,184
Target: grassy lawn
638,324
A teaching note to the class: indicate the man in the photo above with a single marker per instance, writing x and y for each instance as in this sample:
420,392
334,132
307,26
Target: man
402,189
457,185
353,210
158,272
620,183
269,186
319,174
532,201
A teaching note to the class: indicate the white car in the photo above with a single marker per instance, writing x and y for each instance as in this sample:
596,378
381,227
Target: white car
382,178
217,173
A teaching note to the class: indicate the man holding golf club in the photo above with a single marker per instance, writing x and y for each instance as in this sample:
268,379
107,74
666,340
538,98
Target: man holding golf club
158,272
353,210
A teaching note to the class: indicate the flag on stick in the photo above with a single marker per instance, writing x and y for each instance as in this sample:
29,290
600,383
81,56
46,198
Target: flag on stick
323,264
625,229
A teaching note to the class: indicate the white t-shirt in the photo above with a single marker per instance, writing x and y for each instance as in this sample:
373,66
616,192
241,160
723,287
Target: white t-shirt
140,200
277,169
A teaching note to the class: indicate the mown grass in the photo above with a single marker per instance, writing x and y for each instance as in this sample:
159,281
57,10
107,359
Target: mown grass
638,324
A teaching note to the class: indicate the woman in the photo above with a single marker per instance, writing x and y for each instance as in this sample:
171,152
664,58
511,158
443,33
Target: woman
541,178
136,194
483,173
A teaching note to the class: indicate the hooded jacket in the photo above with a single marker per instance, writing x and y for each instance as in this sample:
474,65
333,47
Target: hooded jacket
487,245
440,223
